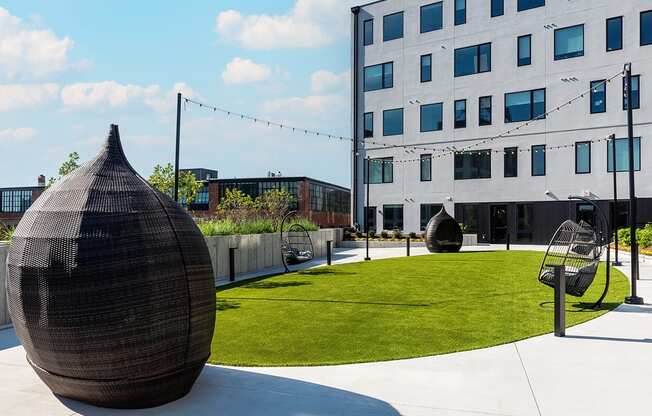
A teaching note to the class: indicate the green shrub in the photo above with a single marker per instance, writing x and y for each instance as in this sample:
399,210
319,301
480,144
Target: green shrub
359,234
624,236
372,234
384,234
397,234
253,226
6,233
413,235
644,236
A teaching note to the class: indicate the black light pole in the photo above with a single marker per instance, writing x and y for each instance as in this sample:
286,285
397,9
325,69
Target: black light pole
366,211
176,154
634,299
614,213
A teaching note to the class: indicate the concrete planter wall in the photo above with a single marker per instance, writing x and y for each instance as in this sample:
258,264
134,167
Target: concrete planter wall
4,313
258,252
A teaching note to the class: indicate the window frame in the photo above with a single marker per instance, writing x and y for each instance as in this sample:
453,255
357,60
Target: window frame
483,152
429,78
365,40
394,206
402,122
520,9
604,86
364,126
640,34
533,152
638,91
460,126
640,155
532,117
477,59
518,50
491,110
421,9
577,145
622,24
502,8
385,39
506,151
428,158
425,106
384,162
455,10
383,84
554,46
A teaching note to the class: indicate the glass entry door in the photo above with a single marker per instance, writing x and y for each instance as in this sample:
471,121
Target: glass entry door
499,224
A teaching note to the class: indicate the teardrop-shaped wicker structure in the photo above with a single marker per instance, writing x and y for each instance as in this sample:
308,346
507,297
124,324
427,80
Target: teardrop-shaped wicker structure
110,287
443,234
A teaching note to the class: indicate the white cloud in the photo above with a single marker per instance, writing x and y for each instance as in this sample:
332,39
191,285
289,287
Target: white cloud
109,93
19,96
167,102
27,51
323,81
21,134
310,24
245,71
148,140
312,107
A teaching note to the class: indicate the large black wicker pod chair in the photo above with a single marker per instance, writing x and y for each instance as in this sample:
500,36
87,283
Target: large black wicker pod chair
443,234
110,287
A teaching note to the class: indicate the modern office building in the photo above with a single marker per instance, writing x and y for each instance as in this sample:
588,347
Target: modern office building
15,201
433,80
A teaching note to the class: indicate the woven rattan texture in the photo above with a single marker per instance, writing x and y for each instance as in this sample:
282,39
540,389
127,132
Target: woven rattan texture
443,234
110,287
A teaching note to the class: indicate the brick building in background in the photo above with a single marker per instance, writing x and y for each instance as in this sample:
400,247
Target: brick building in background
15,201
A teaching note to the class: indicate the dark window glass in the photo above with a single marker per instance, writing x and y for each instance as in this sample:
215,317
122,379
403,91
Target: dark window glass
538,160
511,162
432,117
646,28
426,68
393,122
393,26
473,165
369,32
426,168
524,223
427,212
470,218
432,17
583,157
368,125
524,50
472,60
485,111
497,8
460,114
16,200
371,218
569,42
392,217
378,77
530,4
525,105
598,97
614,34
636,92
622,155
381,170
460,12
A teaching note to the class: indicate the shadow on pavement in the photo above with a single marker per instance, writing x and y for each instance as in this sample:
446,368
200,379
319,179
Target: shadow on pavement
587,337
8,339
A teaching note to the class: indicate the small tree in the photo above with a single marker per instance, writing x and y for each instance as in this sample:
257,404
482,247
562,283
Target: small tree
162,178
274,204
237,206
66,167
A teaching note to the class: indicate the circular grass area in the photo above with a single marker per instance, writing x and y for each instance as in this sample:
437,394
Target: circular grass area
394,308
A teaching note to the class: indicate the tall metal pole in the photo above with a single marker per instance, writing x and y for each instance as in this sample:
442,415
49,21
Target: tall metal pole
366,211
614,213
176,153
356,142
634,299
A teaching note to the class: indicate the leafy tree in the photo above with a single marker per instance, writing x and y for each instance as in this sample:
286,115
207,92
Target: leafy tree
162,178
237,206
275,203
66,167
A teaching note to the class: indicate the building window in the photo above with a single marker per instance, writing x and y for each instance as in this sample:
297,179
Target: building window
614,34
511,162
497,8
539,160
598,96
460,114
393,26
392,217
524,50
371,218
582,157
470,218
432,117
646,28
473,60
622,155
460,12
16,200
432,17
524,223
484,112
393,122
378,77
427,212
569,42
426,68
368,125
473,165
530,4
636,92
368,32
525,105
381,170
426,168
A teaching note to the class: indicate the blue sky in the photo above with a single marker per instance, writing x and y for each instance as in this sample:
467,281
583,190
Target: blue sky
69,69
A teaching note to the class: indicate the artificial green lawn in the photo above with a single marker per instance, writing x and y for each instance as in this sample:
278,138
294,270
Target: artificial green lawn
391,309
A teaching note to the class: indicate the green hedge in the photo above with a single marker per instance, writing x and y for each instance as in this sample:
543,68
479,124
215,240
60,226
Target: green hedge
643,236
259,226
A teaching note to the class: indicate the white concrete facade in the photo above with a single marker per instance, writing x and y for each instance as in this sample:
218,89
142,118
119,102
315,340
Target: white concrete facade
573,124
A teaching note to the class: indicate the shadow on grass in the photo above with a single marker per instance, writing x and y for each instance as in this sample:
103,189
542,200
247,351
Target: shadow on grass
225,305
349,302
321,272
581,307
274,285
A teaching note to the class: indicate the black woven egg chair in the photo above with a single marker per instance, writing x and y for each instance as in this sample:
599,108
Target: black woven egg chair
443,234
296,244
110,287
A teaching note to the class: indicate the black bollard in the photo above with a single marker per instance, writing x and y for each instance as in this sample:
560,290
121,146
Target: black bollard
407,246
560,300
232,263
329,252
509,237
